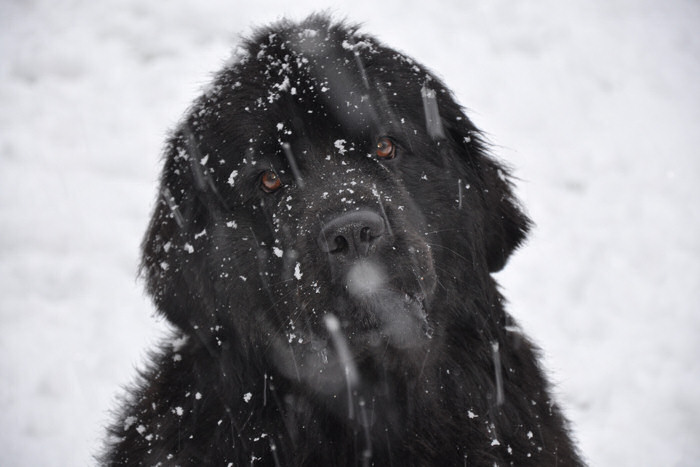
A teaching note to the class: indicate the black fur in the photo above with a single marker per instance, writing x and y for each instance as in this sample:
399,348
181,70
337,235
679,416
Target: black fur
426,367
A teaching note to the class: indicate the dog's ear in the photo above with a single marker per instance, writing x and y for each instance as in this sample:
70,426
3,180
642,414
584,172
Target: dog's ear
172,261
505,223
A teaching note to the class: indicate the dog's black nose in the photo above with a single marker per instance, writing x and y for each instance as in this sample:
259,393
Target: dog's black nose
351,233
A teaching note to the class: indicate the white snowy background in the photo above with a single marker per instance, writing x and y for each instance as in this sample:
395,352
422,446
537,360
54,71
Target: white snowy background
595,104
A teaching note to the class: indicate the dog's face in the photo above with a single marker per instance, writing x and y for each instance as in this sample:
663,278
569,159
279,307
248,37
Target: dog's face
326,188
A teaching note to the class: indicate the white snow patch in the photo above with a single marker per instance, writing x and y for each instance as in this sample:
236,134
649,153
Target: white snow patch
128,422
364,278
340,144
232,178
177,343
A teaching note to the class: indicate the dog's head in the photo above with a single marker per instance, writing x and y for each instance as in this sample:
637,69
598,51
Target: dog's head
325,181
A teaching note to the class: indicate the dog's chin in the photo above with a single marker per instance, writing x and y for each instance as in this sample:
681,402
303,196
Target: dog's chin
379,328
391,317
384,316
376,312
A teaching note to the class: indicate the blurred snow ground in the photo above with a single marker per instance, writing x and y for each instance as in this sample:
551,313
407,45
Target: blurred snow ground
596,105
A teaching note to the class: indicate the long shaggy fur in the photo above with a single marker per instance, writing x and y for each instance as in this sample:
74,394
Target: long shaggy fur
347,315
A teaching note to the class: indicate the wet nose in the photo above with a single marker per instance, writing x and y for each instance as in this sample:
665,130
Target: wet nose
351,234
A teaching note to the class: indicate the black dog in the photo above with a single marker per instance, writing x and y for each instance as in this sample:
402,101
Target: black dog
328,224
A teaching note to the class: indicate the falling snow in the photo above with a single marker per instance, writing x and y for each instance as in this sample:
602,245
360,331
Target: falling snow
364,278
340,144
128,421
232,178
564,91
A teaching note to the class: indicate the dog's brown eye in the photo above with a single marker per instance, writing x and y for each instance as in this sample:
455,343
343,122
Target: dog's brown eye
385,148
270,181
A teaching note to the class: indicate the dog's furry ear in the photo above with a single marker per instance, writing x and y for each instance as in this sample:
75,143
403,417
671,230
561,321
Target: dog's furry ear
505,224
179,220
